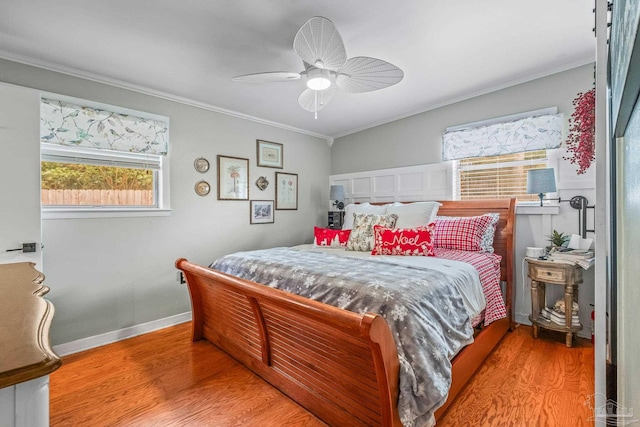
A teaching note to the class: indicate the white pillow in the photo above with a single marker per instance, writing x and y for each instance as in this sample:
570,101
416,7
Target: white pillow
412,215
364,208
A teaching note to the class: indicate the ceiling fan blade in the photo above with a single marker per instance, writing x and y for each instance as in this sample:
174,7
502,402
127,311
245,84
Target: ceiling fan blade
269,77
319,43
314,100
364,74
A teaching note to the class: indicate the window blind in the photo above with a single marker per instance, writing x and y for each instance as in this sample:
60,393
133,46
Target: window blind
62,154
526,134
494,177
74,125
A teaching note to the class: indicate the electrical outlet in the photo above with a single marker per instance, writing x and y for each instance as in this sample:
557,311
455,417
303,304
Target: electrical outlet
28,247
181,278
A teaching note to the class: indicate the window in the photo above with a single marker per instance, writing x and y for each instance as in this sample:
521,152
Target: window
83,177
494,177
491,158
96,161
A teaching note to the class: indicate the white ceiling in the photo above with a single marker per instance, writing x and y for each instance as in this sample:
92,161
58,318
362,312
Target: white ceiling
190,49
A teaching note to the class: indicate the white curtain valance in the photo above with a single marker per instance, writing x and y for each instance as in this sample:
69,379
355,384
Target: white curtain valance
527,134
64,123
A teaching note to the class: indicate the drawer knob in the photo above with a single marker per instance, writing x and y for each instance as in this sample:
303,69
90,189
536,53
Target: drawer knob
548,273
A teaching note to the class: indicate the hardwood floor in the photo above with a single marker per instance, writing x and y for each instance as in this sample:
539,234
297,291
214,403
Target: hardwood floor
162,379
528,382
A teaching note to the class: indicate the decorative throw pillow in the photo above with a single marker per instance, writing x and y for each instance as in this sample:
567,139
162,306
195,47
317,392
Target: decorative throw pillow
418,214
486,243
329,237
366,208
361,237
403,241
464,233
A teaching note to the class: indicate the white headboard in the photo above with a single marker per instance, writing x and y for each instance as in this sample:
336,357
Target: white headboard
411,183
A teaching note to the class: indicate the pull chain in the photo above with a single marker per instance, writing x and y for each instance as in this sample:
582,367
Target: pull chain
315,96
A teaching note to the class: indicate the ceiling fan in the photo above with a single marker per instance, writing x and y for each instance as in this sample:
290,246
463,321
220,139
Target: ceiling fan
326,67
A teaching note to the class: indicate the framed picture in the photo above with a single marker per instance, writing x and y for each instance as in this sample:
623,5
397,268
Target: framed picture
286,191
270,154
261,211
233,178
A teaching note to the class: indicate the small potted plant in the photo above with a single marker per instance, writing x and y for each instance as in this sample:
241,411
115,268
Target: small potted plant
557,240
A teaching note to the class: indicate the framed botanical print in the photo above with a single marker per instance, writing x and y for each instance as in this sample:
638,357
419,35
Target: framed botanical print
261,211
233,178
286,191
270,154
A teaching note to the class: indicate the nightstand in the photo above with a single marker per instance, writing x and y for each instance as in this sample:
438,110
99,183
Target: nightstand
541,273
335,220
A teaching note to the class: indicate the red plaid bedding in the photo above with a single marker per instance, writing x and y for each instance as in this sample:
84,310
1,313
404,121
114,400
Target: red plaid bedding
488,267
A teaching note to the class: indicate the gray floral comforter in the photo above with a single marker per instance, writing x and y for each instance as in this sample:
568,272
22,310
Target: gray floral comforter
423,308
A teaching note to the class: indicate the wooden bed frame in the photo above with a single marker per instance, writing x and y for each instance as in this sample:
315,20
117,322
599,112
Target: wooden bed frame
341,366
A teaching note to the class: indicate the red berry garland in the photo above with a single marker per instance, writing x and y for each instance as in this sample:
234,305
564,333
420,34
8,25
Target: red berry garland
582,126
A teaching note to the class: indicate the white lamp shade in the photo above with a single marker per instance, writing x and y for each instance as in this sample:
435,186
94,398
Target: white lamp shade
541,181
336,193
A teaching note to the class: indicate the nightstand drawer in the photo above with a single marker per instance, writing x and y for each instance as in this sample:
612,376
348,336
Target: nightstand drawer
544,274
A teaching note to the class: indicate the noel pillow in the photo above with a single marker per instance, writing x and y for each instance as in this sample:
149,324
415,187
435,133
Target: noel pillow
361,237
329,237
416,241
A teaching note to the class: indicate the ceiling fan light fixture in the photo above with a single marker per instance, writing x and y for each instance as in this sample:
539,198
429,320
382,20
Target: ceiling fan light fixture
318,79
326,67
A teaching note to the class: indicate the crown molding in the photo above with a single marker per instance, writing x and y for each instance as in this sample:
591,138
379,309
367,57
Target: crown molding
328,138
151,92
484,91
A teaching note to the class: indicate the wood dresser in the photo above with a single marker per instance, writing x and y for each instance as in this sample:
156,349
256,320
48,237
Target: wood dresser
26,359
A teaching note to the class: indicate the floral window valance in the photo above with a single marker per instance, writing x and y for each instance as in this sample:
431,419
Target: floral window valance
527,134
64,123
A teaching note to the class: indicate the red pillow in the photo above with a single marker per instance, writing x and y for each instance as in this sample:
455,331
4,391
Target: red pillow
329,237
403,241
461,233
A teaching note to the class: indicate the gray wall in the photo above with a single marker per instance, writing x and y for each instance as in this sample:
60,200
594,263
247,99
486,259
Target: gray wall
111,273
417,139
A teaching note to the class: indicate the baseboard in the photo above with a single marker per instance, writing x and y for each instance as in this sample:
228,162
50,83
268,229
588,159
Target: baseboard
119,335
523,319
